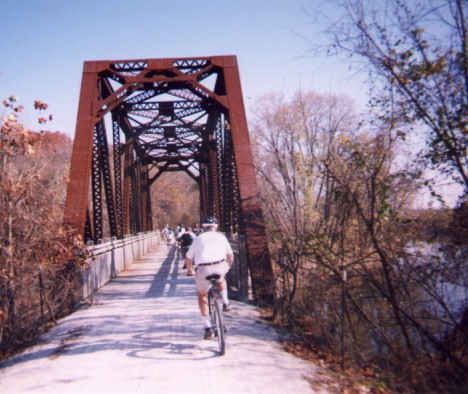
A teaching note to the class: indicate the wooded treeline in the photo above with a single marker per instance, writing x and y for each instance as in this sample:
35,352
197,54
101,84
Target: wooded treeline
357,276
39,273
175,200
363,276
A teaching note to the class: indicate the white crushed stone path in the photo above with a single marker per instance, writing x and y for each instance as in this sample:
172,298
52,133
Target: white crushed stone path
143,334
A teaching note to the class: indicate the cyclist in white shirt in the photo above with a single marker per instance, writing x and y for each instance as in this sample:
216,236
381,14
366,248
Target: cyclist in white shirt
211,253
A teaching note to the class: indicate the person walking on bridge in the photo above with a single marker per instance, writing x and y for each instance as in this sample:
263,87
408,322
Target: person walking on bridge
186,240
211,253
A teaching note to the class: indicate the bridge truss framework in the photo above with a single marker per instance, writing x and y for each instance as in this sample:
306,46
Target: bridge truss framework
183,114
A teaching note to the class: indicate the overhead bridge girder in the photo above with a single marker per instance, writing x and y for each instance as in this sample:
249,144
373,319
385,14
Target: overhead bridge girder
164,115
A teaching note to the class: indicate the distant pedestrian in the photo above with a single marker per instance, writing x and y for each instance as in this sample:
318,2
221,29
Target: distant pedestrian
164,233
170,237
179,232
185,241
196,229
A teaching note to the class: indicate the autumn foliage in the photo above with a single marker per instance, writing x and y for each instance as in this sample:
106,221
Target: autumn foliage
39,275
364,280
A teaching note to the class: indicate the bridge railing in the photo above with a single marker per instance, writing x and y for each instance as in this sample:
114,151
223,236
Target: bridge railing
112,256
238,276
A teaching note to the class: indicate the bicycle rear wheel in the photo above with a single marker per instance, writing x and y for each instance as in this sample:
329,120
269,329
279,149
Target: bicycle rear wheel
219,326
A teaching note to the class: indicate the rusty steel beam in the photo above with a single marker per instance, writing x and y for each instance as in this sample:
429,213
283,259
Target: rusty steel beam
76,205
126,193
257,247
117,174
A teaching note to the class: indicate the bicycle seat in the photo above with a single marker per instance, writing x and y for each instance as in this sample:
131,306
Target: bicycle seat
213,277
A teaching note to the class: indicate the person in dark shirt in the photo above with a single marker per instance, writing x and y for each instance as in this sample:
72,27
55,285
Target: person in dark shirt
185,241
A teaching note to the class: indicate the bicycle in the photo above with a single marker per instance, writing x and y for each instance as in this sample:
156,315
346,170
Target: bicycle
215,305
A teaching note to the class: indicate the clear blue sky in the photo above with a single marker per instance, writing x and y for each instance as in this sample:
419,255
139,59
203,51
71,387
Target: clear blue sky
45,42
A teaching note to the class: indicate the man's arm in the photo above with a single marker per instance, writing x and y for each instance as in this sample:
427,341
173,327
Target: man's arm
188,263
229,252
230,259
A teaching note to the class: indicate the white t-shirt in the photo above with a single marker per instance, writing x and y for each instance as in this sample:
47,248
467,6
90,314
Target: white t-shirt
209,247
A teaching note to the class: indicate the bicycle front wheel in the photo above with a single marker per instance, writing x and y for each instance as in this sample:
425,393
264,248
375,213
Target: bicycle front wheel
219,324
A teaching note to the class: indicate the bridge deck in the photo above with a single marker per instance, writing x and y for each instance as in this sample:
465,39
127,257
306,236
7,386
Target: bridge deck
144,335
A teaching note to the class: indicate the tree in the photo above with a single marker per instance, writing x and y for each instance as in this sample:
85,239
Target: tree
174,200
37,266
400,293
294,138
416,54
335,202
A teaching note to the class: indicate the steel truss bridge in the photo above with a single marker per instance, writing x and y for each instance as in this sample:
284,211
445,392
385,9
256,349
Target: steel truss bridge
140,118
